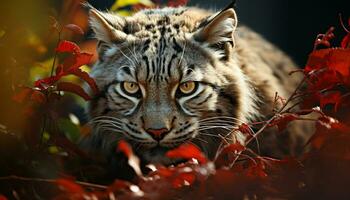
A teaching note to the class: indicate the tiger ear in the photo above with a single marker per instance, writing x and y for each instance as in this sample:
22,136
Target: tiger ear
218,29
107,27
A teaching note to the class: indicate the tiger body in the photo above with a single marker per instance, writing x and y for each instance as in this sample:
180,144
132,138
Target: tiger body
174,75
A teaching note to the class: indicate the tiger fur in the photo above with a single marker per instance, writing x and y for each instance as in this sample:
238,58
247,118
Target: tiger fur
235,74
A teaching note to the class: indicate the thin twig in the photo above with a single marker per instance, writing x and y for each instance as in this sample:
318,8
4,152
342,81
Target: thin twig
278,112
52,181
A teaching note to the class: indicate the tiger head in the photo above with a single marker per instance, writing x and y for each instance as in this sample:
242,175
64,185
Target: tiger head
168,76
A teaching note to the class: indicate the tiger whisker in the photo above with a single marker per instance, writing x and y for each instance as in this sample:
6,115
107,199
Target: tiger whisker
212,135
213,127
222,118
217,123
105,116
125,134
183,52
127,57
200,139
106,122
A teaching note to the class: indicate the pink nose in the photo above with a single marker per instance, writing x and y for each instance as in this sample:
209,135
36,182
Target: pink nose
157,134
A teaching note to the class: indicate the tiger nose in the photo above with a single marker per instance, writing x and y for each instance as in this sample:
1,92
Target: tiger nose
158,134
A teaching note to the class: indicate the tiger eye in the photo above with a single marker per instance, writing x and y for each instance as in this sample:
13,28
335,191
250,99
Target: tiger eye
131,87
187,87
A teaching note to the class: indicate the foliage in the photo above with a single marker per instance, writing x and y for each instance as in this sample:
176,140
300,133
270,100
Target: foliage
237,172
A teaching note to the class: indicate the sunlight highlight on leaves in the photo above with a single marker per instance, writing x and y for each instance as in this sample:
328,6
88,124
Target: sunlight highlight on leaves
122,3
2,33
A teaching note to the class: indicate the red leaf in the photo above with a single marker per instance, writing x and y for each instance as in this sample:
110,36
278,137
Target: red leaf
228,154
139,6
86,77
70,66
23,95
2,197
177,3
38,97
339,60
44,84
59,70
324,39
70,186
317,60
72,63
331,123
133,161
333,59
164,172
283,120
332,98
184,179
234,148
245,129
256,170
324,128
327,128
187,151
74,28
118,185
344,102
125,148
67,46
73,88
318,139
345,43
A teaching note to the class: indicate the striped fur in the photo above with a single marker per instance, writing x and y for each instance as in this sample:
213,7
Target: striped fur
159,49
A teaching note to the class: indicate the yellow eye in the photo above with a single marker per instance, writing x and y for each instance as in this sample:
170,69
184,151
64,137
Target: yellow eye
187,87
130,87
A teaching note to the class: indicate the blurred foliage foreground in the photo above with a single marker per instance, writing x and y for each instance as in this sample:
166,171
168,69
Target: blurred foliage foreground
42,118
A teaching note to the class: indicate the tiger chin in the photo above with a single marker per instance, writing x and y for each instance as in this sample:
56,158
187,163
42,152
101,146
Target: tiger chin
170,76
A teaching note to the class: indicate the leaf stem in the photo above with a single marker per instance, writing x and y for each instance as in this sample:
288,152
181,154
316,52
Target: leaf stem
55,56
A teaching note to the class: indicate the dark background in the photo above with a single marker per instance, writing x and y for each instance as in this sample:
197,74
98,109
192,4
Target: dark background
291,25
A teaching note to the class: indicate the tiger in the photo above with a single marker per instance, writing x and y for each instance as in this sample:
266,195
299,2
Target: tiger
169,76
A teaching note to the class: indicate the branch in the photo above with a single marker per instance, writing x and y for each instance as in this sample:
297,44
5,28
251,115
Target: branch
52,181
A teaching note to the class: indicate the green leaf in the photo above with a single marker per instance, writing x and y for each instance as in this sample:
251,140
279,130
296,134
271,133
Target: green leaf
124,13
71,131
122,3
2,33
53,149
46,136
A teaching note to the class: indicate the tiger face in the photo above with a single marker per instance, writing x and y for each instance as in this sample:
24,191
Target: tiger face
167,76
